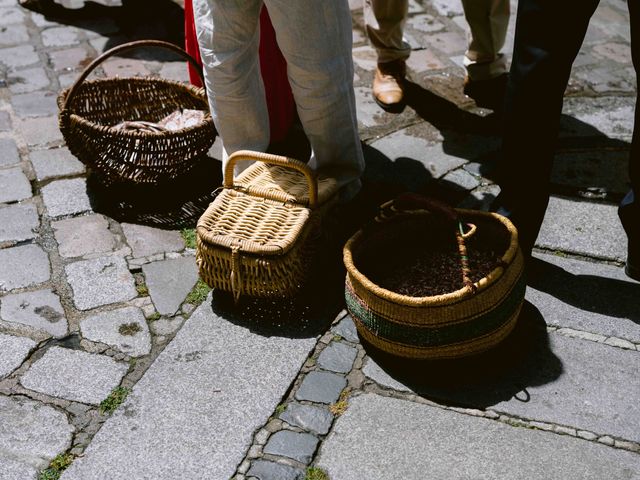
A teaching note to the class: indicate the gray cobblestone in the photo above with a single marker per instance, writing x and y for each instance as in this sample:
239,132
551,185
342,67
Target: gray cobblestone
299,446
59,36
23,266
20,56
347,329
8,152
321,387
337,357
124,328
55,162
18,222
66,197
100,281
11,16
40,309
82,236
13,351
70,59
35,104
30,80
308,417
15,185
13,35
265,470
40,131
74,375
5,122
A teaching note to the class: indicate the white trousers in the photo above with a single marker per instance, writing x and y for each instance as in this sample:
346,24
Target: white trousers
487,19
315,38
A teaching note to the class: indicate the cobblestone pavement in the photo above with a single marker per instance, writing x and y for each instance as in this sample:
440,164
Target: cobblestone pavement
99,299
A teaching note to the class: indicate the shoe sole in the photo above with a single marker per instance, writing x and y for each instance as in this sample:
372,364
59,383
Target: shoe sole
390,108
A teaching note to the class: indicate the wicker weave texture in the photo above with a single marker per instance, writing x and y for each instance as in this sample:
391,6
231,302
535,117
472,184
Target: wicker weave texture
257,237
89,110
456,324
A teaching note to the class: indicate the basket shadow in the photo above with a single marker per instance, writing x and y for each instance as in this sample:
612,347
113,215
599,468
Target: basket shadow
171,204
522,360
308,314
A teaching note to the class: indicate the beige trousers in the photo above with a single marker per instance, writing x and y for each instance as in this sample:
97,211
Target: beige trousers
487,19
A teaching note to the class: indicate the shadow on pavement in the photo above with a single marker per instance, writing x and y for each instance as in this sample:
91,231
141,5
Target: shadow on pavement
522,360
134,20
174,204
606,296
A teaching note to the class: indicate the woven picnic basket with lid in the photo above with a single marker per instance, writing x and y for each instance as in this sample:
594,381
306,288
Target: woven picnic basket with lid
257,236
463,322
89,112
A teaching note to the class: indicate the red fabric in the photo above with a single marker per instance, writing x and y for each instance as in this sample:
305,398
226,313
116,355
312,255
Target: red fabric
273,67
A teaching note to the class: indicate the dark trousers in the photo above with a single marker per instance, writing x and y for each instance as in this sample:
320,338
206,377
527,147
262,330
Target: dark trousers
549,34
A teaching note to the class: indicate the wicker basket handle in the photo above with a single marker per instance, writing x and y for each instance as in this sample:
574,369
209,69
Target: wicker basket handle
125,47
286,162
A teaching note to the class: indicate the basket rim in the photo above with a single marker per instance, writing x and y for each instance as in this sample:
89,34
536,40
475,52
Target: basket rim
196,91
446,298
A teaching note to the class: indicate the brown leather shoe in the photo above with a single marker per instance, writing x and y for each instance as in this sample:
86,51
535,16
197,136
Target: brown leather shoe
388,85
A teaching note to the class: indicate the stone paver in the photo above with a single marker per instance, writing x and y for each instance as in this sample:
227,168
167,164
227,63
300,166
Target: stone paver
8,152
13,351
169,282
569,382
81,236
321,387
100,281
40,130
233,378
40,309
586,296
299,446
36,104
337,357
29,80
584,228
598,168
55,162
31,434
74,375
19,56
18,222
15,470
124,328
146,241
66,197
15,185
23,266
5,122
346,329
263,470
610,115
379,438
308,417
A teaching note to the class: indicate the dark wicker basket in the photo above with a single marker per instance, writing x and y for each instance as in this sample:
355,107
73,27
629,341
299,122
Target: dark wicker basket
90,110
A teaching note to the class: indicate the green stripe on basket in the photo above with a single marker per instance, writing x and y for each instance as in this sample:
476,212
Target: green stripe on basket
441,336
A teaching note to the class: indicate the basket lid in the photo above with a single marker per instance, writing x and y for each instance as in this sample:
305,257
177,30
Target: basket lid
274,181
255,225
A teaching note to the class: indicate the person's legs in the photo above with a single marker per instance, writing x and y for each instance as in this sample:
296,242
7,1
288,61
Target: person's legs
228,37
384,23
629,210
486,65
548,37
315,38
488,21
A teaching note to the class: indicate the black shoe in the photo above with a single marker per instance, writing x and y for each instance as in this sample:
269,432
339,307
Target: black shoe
632,269
487,93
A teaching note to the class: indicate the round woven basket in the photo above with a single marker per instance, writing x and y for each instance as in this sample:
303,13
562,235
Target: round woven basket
464,322
89,111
